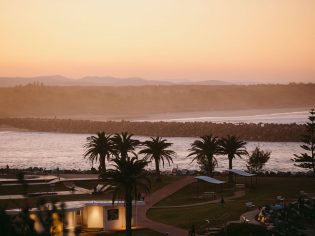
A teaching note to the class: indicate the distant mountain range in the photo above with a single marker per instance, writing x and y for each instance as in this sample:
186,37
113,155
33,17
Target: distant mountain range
58,80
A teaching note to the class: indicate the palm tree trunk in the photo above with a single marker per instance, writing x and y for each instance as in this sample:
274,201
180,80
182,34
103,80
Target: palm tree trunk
157,169
102,164
211,167
211,171
128,203
230,167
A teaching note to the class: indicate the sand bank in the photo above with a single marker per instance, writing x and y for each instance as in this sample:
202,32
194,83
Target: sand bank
4,128
175,115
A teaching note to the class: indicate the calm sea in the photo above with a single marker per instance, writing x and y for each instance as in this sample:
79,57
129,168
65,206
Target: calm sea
65,151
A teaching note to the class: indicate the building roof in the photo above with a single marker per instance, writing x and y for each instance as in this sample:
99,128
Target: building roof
210,180
76,205
241,173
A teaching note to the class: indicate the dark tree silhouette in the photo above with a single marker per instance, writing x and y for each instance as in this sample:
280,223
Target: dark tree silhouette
204,151
257,159
129,178
250,132
99,148
232,146
157,149
123,144
307,159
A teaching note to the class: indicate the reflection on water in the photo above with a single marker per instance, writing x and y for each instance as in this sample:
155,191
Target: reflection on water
65,151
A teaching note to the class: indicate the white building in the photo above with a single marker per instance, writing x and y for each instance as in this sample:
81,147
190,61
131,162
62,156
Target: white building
98,215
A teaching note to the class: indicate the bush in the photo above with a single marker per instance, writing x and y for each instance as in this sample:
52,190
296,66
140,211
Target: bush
242,229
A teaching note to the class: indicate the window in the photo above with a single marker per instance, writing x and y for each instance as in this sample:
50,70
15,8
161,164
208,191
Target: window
112,214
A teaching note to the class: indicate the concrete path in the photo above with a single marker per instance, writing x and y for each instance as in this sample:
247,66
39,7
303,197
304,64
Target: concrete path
157,196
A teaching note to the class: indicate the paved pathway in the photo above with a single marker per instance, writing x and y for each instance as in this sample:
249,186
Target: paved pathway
155,198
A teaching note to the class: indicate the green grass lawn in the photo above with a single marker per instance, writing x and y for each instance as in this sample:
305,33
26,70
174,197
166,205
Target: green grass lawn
268,188
195,193
184,217
265,192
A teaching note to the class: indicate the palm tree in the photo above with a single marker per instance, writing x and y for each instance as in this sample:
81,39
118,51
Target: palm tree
232,146
98,148
123,144
129,179
156,149
204,152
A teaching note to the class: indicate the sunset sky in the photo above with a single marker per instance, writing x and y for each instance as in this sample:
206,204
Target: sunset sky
236,40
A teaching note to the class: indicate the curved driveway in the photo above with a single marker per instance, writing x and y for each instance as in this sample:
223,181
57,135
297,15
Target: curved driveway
157,196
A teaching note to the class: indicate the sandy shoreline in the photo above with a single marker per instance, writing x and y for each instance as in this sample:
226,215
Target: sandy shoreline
4,128
174,115
230,113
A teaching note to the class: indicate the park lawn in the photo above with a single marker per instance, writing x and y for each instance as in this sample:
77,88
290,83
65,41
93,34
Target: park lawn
268,188
265,192
217,214
195,193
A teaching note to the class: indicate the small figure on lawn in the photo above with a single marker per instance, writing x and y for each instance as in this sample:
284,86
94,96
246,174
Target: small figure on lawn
222,200
192,231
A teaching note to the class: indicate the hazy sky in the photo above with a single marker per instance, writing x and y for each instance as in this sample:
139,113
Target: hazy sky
252,40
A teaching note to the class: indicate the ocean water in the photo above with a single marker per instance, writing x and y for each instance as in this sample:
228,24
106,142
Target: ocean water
65,151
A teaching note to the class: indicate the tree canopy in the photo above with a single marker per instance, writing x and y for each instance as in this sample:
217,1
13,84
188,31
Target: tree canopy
306,159
257,159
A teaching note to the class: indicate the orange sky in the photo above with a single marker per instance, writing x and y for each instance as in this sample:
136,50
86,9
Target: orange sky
240,40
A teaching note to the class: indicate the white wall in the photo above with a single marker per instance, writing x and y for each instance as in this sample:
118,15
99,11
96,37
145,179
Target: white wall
84,216
71,219
95,217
